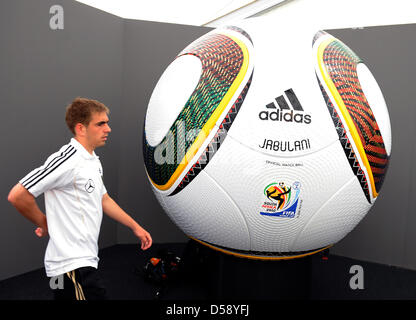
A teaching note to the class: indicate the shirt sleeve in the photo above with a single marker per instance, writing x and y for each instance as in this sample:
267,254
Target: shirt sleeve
104,191
53,174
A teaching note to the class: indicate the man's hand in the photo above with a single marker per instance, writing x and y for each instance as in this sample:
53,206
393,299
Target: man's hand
144,236
41,232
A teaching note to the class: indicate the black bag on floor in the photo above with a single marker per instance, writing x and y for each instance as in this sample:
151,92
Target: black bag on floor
161,269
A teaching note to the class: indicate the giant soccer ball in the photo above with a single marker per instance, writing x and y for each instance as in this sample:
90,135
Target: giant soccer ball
266,142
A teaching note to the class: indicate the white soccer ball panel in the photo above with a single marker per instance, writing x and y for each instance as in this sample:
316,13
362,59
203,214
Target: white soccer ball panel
335,218
205,211
283,64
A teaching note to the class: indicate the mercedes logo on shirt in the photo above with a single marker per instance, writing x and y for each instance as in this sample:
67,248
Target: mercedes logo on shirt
90,186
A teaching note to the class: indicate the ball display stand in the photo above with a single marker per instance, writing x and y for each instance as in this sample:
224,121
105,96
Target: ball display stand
230,277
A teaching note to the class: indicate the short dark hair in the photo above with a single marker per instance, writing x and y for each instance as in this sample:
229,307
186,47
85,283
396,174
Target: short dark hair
80,111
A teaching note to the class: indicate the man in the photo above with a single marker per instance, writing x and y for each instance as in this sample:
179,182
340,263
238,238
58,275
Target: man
75,197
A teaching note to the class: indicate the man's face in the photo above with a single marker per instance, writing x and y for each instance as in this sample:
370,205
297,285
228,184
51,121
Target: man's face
97,130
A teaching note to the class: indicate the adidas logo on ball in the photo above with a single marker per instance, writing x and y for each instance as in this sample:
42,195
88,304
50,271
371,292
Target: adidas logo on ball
285,113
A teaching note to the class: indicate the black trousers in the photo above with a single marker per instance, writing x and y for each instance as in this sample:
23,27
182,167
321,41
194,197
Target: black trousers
80,284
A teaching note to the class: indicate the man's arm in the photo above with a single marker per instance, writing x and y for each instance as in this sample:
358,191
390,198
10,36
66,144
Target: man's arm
113,210
26,204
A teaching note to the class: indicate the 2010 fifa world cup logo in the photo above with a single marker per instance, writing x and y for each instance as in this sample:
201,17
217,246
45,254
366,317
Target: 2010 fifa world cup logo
283,199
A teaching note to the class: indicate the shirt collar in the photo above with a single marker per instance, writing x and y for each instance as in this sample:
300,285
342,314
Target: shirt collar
82,150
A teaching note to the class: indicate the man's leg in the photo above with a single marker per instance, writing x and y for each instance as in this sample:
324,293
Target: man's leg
81,284
92,284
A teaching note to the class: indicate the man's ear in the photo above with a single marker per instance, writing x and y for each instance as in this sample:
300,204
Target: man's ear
79,129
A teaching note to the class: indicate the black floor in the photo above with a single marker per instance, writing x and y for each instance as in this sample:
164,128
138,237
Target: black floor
213,275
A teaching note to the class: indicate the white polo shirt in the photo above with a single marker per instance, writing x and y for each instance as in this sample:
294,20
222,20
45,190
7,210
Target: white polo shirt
71,180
